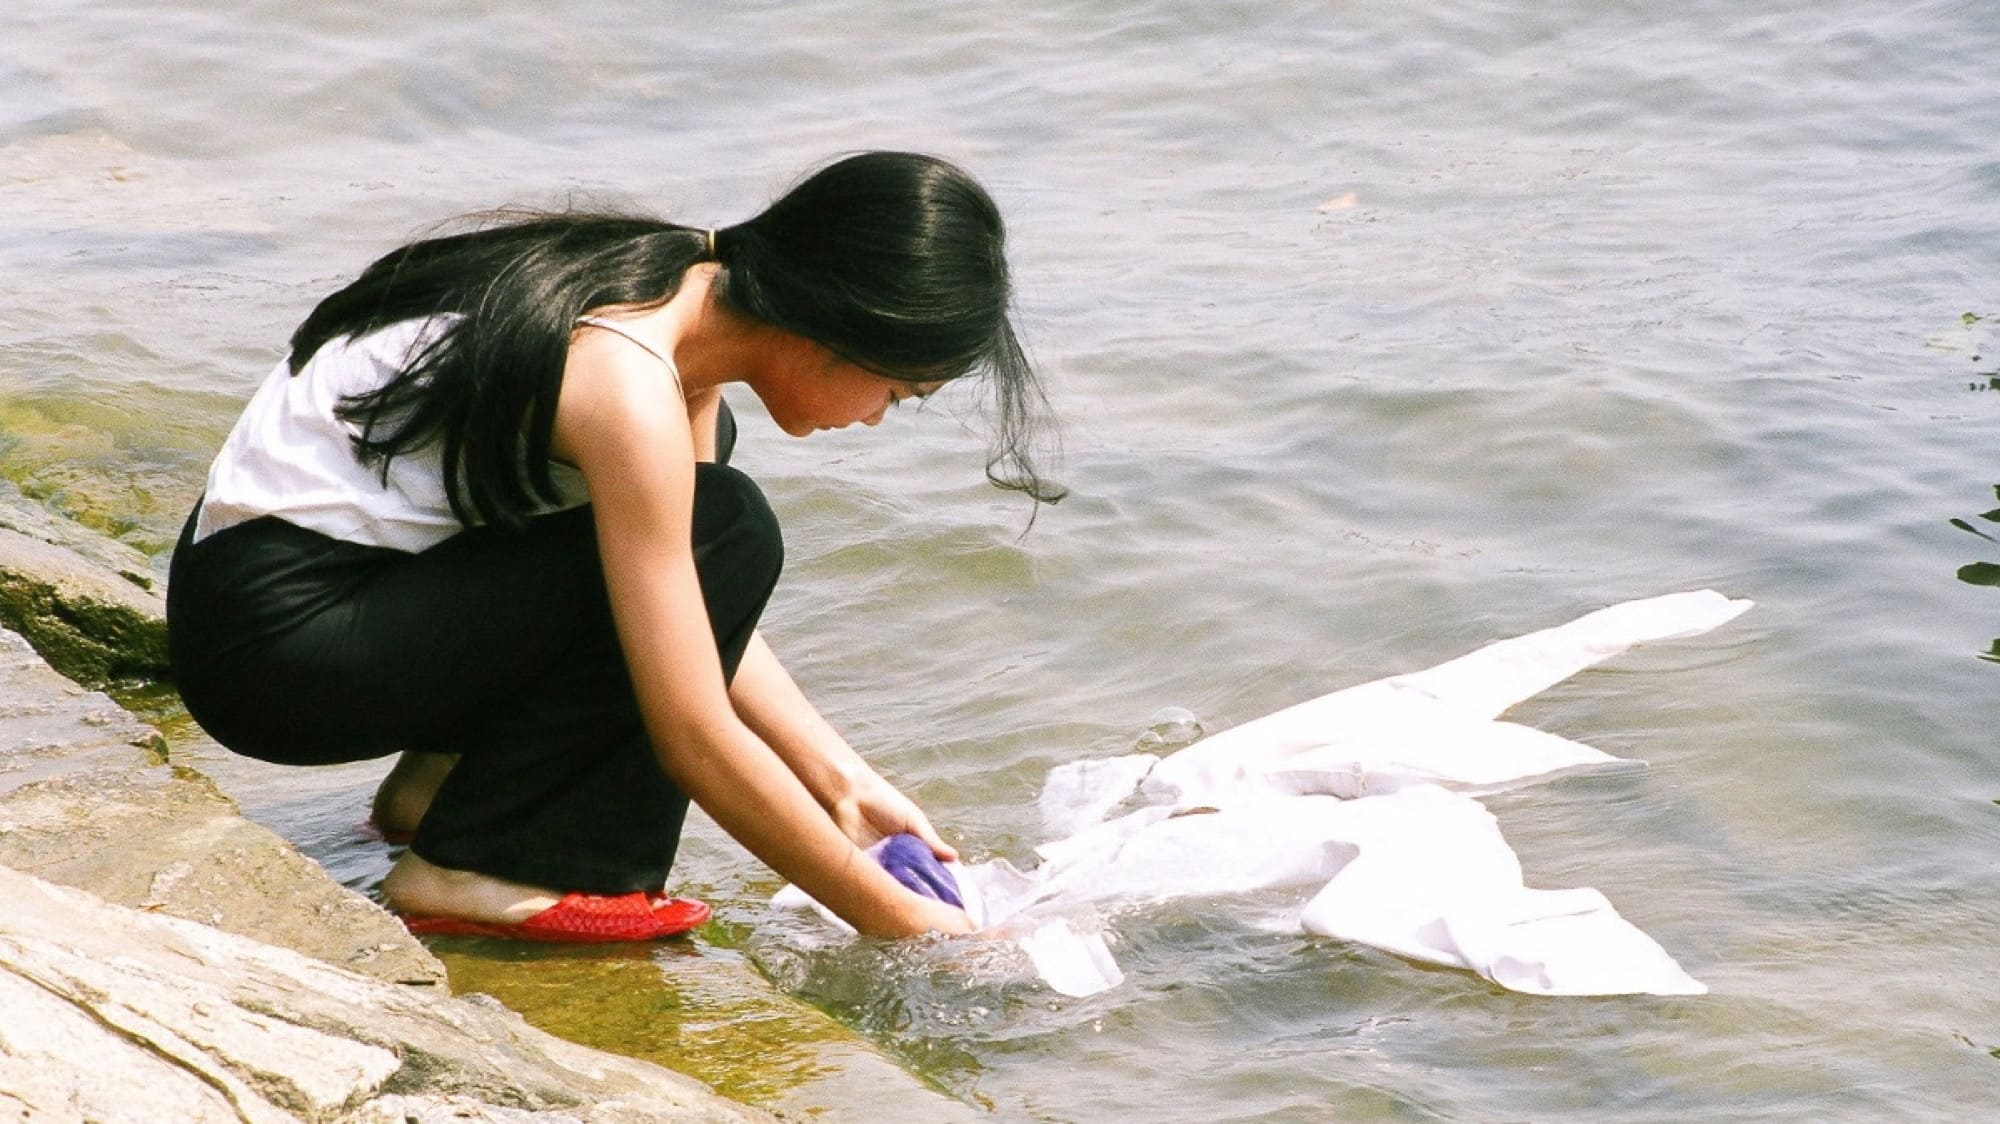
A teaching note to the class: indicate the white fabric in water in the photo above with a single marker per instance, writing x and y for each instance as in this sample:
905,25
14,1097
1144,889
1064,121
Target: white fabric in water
1081,793
1359,799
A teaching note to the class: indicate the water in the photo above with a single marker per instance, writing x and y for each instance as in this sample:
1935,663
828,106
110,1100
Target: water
1379,331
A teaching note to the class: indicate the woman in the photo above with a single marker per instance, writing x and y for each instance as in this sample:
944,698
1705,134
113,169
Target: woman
482,513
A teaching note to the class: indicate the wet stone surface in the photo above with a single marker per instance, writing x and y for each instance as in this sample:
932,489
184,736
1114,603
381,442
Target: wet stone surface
89,799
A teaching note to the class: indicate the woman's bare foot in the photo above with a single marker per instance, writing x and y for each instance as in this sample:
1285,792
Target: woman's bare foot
419,888
405,794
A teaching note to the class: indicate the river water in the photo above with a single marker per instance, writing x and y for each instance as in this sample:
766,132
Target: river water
1378,331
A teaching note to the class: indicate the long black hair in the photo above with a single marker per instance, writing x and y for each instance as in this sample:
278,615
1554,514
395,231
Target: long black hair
893,261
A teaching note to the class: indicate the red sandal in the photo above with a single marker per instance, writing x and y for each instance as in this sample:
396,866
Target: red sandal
580,919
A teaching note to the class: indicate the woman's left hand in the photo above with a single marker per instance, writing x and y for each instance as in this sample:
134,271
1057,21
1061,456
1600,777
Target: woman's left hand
873,809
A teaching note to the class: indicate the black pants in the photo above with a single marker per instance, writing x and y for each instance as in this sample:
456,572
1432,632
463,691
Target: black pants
293,647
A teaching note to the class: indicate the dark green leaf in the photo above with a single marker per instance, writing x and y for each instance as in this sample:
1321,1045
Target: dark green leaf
1980,573
1964,526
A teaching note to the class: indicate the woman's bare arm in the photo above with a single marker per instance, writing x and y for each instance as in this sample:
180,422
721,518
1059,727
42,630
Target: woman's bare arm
624,424
864,805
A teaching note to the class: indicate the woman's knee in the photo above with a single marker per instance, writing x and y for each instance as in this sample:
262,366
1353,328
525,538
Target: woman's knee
734,526
738,552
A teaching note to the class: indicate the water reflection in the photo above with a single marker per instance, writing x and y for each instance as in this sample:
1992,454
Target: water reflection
691,1006
1983,573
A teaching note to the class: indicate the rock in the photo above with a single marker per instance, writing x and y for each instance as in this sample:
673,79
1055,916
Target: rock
88,799
91,611
112,1014
19,513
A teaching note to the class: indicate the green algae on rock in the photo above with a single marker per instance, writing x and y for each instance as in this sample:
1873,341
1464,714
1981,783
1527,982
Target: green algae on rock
91,623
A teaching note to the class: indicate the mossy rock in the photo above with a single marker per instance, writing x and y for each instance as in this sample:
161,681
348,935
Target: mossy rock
90,622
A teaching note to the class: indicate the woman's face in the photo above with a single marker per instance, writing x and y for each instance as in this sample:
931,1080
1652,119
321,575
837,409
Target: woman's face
807,388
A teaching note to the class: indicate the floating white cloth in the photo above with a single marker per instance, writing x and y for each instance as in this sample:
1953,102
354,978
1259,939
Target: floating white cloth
1362,793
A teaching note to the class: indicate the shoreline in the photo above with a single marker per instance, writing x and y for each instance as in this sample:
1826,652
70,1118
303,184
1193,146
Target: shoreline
95,799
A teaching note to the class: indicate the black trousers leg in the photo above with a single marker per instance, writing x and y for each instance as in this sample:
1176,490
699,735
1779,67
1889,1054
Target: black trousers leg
496,645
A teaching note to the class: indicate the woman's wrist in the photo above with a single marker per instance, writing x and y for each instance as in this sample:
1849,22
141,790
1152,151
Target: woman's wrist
842,785
888,909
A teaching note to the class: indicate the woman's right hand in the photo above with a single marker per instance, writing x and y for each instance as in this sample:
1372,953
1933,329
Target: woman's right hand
929,915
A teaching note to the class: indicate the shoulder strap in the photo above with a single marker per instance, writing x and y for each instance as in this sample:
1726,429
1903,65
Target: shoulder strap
616,328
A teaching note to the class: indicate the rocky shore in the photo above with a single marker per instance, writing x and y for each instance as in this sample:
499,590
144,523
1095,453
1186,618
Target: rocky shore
164,958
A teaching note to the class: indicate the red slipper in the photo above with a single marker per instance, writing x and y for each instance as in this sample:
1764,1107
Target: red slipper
580,919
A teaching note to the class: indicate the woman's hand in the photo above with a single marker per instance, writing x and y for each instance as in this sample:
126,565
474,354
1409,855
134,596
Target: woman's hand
935,916
863,805
872,809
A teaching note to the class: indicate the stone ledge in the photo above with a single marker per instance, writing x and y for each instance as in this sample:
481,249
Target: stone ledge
113,1015
87,799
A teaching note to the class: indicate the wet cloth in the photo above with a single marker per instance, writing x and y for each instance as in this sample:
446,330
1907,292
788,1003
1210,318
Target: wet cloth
910,862
1361,802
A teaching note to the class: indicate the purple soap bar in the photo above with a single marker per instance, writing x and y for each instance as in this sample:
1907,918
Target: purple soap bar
908,860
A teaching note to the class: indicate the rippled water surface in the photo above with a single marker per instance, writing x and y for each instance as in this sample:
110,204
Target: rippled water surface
1379,331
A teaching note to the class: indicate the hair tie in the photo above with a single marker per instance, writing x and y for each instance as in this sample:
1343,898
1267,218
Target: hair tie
709,236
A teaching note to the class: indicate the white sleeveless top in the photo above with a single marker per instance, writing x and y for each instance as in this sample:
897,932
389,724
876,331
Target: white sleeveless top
291,457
